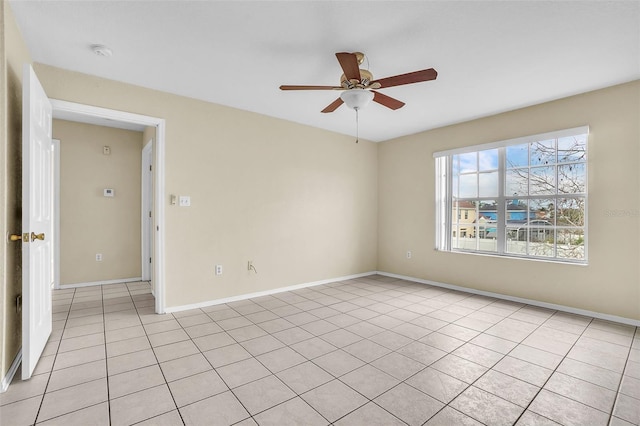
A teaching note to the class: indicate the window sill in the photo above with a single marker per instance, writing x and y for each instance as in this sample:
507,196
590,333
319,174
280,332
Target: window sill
509,256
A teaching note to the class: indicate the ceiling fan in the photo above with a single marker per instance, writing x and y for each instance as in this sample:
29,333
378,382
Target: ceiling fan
358,85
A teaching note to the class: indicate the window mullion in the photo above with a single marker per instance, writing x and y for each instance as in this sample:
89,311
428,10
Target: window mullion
500,202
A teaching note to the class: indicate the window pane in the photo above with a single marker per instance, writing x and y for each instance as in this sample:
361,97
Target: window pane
488,184
542,212
541,243
468,186
572,178
517,212
573,148
468,162
488,211
516,241
570,212
488,160
466,238
517,156
542,180
455,235
487,231
540,231
543,152
571,243
516,182
464,212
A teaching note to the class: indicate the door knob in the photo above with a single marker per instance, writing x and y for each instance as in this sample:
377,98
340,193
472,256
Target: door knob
35,236
18,237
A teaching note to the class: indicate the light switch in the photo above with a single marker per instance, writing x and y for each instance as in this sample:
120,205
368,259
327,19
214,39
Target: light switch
185,201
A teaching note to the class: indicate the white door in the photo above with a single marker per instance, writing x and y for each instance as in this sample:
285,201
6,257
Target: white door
37,223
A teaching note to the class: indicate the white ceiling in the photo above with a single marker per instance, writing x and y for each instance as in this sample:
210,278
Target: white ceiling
491,56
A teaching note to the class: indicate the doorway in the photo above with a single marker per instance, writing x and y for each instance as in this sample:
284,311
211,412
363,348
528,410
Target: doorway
154,152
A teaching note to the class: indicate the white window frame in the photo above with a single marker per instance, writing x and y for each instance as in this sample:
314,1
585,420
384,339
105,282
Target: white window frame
444,198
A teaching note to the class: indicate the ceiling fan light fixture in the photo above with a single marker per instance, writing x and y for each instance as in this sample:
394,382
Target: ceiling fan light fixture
356,98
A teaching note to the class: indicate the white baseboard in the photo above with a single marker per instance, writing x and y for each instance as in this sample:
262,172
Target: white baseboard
264,293
563,308
92,283
6,381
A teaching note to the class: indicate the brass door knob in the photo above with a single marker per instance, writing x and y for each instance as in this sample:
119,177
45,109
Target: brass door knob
15,237
35,236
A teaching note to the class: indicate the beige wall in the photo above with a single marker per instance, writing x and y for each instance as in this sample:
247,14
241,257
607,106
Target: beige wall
610,284
89,222
14,55
299,202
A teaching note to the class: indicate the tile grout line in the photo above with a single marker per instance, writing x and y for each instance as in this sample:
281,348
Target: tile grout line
54,358
363,338
252,357
289,346
622,375
379,314
551,375
448,404
503,356
106,355
166,383
543,350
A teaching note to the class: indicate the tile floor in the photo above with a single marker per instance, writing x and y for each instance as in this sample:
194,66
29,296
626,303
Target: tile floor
370,351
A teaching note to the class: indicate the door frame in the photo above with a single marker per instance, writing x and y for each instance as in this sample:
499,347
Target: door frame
86,113
147,220
56,213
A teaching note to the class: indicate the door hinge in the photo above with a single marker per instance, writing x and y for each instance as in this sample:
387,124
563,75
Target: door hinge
149,213
149,260
150,167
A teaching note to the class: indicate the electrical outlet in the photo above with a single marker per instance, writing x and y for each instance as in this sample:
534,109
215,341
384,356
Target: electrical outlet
408,254
98,257
218,269
184,200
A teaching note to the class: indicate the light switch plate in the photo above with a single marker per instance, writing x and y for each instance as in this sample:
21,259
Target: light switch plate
185,201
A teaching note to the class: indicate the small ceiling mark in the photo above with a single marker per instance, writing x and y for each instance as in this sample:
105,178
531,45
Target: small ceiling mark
101,50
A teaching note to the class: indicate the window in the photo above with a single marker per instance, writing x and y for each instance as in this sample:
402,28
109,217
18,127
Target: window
525,197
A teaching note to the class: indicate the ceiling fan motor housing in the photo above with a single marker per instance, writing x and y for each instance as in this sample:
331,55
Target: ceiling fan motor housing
365,78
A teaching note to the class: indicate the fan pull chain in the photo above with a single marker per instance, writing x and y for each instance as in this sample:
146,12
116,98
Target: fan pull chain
357,126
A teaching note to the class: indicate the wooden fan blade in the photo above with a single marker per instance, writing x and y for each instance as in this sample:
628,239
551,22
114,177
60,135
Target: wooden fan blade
387,101
412,77
311,88
349,64
333,105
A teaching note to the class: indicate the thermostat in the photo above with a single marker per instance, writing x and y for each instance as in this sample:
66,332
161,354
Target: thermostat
109,192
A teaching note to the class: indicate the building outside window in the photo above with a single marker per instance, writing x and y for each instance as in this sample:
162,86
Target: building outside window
525,197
